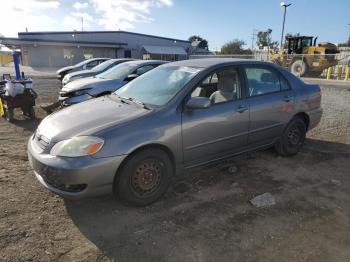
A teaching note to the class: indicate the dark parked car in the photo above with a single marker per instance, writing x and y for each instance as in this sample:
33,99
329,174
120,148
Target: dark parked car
177,116
106,82
86,64
93,71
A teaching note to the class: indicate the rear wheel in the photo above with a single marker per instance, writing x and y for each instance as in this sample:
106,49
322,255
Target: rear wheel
292,138
144,178
298,68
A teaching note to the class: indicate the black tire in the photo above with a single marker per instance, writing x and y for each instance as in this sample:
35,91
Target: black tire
292,138
144,178
298,68
9,115
31,112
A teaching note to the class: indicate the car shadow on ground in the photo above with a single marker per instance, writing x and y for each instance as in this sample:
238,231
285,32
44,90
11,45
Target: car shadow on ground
27,124
206,215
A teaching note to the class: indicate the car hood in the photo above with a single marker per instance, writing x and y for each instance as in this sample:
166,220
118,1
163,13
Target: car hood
64,69
83,73
89,117
93,82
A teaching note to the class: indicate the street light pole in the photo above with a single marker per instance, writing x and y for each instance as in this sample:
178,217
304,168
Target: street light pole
284,19
349,36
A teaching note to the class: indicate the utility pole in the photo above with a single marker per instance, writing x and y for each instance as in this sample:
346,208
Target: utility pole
284,19
349,36
253,37
82,23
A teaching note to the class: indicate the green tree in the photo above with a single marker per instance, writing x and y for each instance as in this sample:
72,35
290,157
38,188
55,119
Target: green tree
235,47
203,42
264,39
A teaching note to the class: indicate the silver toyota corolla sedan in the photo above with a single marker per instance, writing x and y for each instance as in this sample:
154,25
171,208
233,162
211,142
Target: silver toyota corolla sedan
177,116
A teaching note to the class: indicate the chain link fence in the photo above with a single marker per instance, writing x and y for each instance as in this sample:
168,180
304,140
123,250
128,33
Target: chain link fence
330,66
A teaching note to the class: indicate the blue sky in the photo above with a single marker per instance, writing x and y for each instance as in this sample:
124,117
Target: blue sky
218,21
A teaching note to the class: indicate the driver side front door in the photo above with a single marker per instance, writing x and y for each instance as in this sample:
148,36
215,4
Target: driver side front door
220,130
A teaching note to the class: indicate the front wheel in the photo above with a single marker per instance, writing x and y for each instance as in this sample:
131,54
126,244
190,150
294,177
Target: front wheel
292,138
298,68
144,178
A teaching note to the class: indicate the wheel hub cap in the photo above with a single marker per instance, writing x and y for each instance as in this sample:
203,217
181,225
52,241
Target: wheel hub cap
146,177
294,136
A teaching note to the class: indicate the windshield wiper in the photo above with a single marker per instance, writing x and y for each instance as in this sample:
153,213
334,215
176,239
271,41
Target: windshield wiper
123,99
139,102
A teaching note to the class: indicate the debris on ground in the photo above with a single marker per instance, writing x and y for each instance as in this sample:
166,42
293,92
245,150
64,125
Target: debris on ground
232,169
181,188
264,200
336,182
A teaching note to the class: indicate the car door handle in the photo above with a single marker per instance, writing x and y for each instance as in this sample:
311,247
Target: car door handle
287,98
241,109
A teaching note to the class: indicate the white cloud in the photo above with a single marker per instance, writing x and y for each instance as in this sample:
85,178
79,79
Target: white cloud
123,14
73,21
47,15
17,15
79,5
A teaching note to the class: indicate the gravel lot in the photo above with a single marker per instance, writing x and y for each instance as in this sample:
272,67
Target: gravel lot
206,215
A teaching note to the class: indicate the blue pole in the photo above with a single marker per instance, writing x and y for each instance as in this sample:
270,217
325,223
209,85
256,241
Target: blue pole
16,63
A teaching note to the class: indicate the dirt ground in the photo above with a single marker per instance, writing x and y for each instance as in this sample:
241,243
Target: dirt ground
205,216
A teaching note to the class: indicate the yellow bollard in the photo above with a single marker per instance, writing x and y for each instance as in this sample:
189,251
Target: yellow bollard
339,71
347,73
329,72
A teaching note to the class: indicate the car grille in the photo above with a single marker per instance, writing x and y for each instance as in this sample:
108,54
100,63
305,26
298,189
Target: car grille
66,94
41,140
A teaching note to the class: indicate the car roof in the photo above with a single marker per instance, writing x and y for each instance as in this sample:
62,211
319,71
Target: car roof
145,62
209,62
96,58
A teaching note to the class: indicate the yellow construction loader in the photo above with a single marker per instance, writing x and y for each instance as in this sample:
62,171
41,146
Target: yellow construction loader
303,57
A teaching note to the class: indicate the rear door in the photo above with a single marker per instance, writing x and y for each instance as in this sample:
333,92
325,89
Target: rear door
221,129
271,103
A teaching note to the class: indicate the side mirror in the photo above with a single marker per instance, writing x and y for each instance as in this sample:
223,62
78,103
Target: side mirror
85,67
198,103
131,77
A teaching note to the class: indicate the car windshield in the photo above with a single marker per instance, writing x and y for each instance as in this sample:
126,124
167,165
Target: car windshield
120,71
103,66
83,63
158,86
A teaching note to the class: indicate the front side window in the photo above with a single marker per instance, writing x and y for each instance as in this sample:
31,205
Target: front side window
92,64
158,86
263,81
221,86
143,69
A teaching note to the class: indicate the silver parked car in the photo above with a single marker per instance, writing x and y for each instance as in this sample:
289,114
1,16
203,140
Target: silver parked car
93,71
86,64
106,82
177,116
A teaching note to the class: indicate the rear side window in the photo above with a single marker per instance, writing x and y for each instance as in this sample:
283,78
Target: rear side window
264,81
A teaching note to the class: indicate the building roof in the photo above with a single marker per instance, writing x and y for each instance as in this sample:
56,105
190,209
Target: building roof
164,50
23,34
20,41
